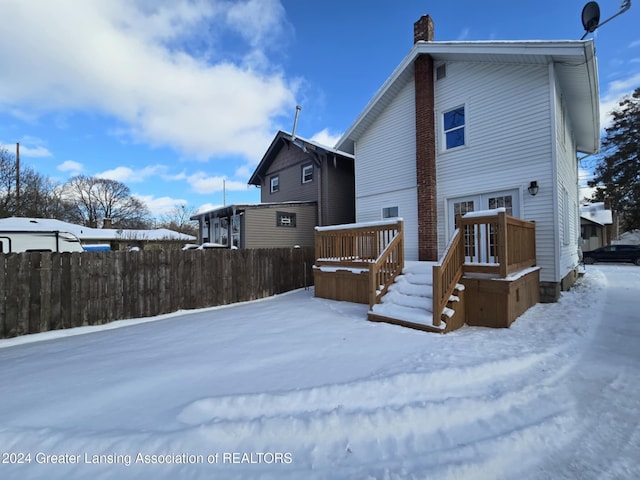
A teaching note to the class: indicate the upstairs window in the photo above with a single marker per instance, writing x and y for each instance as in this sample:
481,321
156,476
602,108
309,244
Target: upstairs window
275,184
307,173
454,124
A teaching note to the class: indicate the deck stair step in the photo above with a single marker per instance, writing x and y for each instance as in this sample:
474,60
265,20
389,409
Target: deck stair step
419,302
409,300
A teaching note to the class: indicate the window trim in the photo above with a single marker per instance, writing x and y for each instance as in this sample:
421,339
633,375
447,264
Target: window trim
303,169
274,184
462,127
281,215
388,210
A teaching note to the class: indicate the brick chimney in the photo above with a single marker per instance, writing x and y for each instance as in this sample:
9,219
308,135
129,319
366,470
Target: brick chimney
423,30
107,223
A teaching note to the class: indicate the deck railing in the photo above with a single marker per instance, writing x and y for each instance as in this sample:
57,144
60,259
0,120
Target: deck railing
376,246
490,242
386,267
354,244
497,243
446,275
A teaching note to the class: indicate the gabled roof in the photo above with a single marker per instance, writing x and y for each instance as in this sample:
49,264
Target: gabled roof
596,213
574,64
15,224
283,138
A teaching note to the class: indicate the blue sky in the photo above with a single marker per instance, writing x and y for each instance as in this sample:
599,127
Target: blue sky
171,97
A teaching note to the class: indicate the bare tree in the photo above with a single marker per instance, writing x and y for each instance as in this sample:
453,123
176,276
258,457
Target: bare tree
38,194
7,183
96,199
179,219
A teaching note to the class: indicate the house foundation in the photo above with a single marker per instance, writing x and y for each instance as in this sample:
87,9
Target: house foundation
550,291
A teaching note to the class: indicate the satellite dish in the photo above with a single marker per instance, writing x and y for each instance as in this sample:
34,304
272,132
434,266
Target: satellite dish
591,16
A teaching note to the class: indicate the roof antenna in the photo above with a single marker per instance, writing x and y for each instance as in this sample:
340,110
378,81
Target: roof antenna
295,122
591,16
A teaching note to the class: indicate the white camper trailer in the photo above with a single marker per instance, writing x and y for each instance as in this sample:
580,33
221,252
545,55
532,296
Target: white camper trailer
38,241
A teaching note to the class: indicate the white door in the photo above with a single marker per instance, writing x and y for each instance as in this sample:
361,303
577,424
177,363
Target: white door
507,199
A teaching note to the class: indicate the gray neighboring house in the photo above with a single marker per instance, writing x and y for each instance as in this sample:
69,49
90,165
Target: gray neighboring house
596,225
260,225
303,184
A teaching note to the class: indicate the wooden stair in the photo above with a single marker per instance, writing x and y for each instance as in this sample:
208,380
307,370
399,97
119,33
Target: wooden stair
409,302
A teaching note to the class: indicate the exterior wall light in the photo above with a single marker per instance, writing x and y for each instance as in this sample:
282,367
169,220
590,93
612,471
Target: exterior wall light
533,188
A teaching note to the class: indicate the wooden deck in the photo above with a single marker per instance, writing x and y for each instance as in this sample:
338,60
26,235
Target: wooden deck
359,262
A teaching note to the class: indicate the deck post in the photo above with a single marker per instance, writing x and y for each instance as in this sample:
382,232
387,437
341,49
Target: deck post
502,244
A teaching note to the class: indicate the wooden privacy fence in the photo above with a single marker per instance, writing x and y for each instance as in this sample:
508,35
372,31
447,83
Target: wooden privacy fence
41,291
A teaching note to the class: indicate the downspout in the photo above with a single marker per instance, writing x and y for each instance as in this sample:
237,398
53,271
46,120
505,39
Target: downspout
554,178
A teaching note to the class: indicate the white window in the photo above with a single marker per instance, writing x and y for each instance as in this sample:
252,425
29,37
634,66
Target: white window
389,212
307,174
453,122
502,201
275,184
566,217
285,219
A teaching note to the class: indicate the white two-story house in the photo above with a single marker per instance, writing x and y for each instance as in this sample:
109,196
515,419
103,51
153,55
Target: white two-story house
468,126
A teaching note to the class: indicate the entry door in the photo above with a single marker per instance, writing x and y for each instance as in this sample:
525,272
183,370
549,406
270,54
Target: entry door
508,199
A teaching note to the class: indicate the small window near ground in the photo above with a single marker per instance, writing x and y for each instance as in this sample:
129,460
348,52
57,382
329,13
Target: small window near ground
454,124
285,219
389,212
307,174
275,184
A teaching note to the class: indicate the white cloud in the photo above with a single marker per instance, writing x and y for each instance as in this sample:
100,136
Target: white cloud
137,62
207,207
73,168
202,183
324,137
464,34
126,174
635,43
159,206
616,90
26,150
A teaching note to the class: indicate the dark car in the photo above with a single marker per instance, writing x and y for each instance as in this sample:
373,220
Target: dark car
613,253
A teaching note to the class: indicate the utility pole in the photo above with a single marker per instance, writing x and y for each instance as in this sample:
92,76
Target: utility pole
17,179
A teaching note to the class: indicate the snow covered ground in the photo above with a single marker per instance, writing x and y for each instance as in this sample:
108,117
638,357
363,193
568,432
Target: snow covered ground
299,387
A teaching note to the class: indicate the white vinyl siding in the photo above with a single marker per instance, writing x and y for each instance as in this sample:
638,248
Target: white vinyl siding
509,143
386,167
567,189
371,210
386,152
